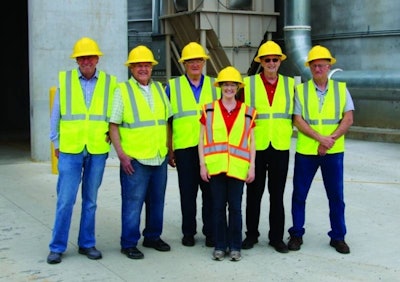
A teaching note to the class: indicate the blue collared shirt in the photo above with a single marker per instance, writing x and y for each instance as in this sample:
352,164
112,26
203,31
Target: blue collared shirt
196,90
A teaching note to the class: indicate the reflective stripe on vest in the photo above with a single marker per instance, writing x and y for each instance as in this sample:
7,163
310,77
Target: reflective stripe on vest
179,102
135,112
68,93
324,122
336,119
285,114
241,151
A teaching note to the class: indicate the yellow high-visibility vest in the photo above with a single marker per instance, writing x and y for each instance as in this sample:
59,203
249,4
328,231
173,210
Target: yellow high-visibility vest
273,123
143,132
186,111
80,126
324,122
225,153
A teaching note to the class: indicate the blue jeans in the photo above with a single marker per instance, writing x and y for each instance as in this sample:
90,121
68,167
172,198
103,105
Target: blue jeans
188,169
305,168
146,185
72,169
227,192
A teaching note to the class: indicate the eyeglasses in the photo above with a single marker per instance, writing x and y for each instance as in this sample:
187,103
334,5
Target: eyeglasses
194,61
267,60
318,66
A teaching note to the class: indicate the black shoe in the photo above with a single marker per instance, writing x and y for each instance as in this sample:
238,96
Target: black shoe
91,253
280,247
248,243
295,243
188,241
132,253
158,244
54,258
209,242
340,246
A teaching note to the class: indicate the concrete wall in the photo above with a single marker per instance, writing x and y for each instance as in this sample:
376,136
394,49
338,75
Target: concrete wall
54,27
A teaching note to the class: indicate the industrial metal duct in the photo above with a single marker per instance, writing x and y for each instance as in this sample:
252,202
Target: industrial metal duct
376,91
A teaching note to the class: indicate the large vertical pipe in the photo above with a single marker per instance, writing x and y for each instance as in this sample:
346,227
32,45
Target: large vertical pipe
156,14
297,34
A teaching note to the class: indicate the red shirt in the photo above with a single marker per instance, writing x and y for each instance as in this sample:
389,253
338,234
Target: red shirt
229,117
269,88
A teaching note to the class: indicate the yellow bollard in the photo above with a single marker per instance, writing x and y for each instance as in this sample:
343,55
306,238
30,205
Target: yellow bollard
54,160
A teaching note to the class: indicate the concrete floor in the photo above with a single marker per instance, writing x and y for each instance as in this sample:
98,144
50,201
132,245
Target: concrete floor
372,194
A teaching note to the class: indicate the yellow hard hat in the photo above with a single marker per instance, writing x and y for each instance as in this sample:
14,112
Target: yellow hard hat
86,47
269,48
193,50
319,52
141,54
229,74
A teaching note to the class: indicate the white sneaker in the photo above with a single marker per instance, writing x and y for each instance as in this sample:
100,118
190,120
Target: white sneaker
235,255
218,255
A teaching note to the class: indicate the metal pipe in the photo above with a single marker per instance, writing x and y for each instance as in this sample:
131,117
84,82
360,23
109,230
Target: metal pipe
156,14
297,36
379,80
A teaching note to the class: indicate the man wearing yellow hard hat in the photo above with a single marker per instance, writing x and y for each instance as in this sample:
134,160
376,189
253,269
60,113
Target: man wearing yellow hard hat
138,130
272,95
323,114
79,132
187,93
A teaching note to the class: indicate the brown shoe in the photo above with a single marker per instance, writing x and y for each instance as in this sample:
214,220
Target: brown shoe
295,243
340,246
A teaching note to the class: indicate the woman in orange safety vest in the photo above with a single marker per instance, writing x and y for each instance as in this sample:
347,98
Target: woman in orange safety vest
227,154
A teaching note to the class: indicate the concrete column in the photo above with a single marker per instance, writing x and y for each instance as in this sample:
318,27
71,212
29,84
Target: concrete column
54,27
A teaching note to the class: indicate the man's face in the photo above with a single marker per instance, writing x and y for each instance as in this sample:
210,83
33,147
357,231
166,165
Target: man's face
320,68
141,72
194,66
271,63
87,65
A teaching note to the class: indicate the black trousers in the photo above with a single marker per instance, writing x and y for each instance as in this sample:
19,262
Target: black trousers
188,168
275,163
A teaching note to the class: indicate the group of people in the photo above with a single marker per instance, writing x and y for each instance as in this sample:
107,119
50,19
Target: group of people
220,133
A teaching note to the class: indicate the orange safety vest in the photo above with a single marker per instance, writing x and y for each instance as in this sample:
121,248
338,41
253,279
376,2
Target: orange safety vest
225,153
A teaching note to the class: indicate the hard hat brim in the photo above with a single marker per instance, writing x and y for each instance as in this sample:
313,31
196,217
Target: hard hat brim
83,54
282,57
332,61
183,59
153,63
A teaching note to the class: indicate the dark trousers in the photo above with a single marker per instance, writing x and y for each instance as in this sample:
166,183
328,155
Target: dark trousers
227,196
276,163
188,168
